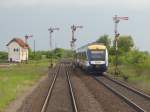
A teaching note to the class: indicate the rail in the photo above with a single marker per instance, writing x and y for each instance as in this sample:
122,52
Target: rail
74,103
128,101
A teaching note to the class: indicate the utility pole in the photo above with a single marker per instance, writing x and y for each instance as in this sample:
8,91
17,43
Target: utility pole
116,21
26,41
34,48
51,30
72,42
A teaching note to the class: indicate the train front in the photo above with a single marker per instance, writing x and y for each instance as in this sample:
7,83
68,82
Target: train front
98,58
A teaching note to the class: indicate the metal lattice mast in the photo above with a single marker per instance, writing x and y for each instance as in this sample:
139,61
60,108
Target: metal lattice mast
72,42
116,21
51,30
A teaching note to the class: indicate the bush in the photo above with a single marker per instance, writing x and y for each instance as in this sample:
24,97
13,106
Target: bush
55,54
3,56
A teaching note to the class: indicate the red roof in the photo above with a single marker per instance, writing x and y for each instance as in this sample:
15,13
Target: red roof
20,42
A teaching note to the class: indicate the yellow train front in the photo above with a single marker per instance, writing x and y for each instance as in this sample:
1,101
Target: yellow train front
92,58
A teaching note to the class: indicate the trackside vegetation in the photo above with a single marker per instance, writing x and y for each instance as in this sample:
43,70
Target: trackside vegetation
3,56
17,78
134,65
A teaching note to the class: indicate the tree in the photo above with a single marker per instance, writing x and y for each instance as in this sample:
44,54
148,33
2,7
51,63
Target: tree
104,39
137,57
125,43
3,55
59,52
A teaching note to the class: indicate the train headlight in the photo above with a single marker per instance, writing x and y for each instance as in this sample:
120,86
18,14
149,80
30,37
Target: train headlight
87,63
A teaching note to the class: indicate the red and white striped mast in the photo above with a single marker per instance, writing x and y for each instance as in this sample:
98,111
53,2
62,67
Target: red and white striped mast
116,21
27,37
26,41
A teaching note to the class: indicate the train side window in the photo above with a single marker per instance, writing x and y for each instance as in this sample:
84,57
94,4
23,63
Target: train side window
83,55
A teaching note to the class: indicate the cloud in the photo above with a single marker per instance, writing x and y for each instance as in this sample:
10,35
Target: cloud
136,4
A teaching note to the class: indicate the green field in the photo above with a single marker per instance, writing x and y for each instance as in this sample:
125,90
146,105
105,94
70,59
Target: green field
135,75
14,79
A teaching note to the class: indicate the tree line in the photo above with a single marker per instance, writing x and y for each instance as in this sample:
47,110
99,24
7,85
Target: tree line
128,53
57,53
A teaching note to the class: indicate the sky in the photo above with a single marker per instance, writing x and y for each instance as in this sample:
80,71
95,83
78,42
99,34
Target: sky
35,17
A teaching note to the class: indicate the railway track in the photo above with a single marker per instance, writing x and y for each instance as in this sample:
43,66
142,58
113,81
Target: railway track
128,87
137,100
44,108
55,96
74,103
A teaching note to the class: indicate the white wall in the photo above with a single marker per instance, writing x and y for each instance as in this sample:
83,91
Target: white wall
17,56
23,54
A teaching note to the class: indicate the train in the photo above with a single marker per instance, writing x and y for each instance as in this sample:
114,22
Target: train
92,58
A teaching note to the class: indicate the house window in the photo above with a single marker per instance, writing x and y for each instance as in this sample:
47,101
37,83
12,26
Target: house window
16,50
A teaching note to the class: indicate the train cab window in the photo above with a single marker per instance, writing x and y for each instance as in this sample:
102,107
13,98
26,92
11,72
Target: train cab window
97,55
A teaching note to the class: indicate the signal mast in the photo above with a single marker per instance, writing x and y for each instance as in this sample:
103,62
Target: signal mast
26,41
51,30
72,42
116,20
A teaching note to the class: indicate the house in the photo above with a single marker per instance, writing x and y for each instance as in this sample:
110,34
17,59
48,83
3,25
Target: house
17,50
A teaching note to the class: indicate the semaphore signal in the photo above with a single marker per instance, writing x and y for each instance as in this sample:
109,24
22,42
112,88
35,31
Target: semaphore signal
116,20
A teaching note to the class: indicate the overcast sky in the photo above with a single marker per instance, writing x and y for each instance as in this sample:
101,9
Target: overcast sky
21,17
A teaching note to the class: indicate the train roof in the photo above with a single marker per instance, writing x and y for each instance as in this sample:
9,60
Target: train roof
91,46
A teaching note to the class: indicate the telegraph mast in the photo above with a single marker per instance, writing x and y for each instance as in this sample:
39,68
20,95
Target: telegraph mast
51,30
116,20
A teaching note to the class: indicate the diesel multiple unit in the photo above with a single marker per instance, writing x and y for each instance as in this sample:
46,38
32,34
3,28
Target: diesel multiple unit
92,57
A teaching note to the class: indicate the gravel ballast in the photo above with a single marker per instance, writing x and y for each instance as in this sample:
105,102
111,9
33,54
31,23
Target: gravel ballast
60,100
86,101
108,101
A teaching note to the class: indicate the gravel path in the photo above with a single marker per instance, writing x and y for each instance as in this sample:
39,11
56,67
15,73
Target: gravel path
108,101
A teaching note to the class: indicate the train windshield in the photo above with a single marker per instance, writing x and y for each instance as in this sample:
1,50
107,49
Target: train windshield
97,55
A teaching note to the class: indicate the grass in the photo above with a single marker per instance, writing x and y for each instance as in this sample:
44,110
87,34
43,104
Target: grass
14,79
136,75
